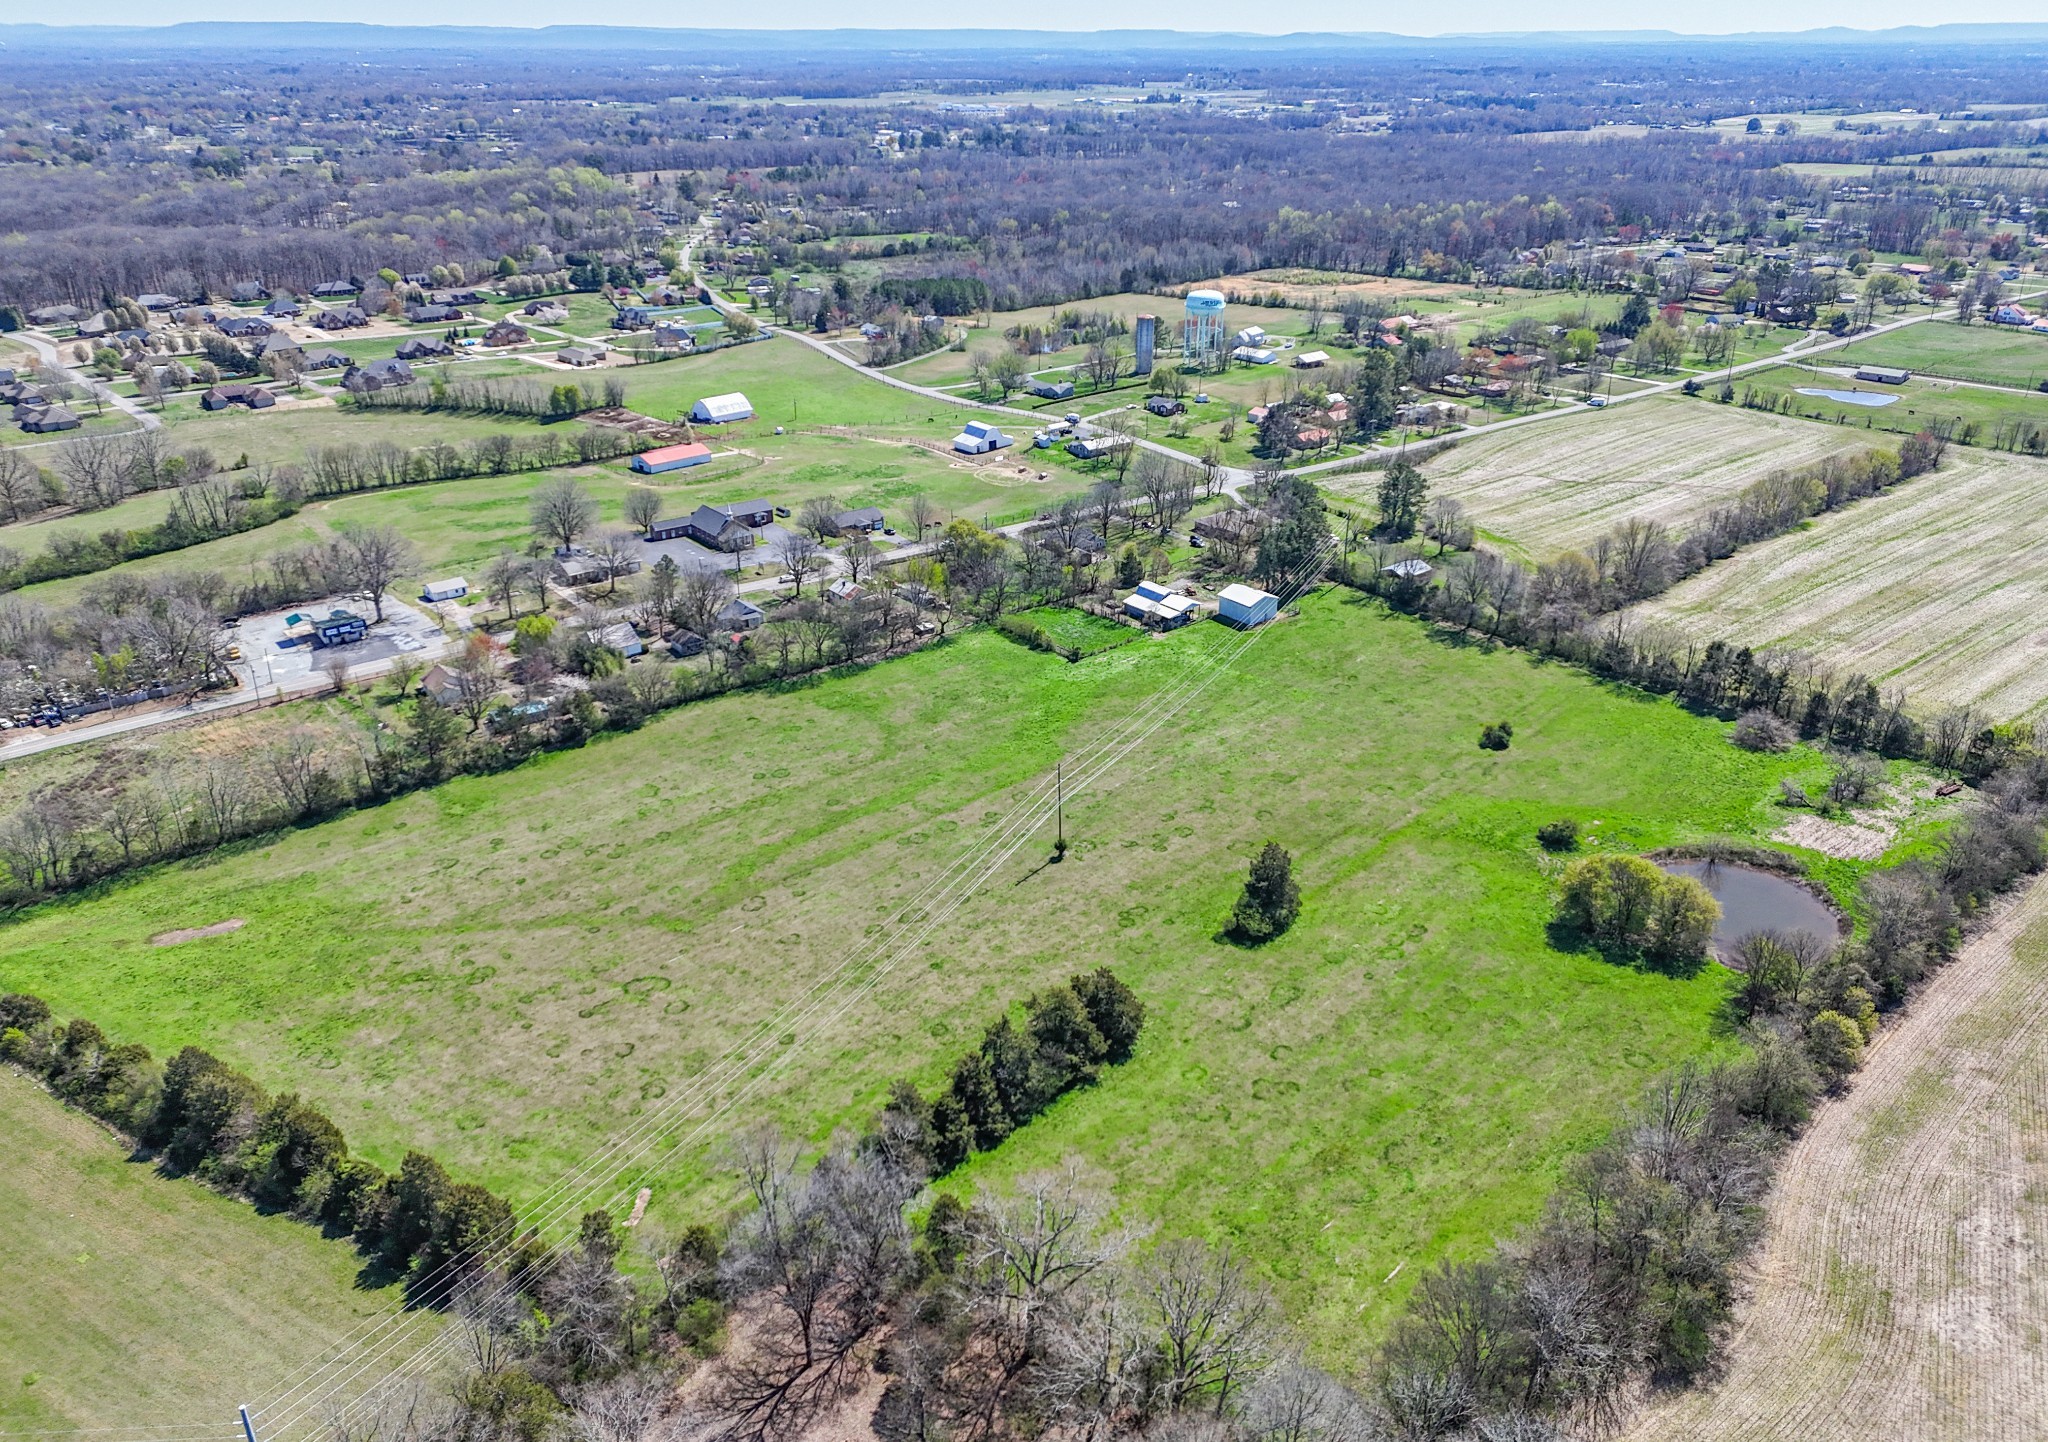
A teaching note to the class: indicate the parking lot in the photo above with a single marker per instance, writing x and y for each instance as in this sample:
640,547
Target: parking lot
693,557
271,660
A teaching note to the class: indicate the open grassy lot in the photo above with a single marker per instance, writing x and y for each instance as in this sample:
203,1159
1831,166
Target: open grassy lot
1996,354
1923,401
506,969
1940,586
1537,490
135,1296
1890,1297
789,384
283,436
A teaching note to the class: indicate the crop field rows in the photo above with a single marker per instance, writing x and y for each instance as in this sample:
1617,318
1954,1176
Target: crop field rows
1898,1292
1541,489
1940,586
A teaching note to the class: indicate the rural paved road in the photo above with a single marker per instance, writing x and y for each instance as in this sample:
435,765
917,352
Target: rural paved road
46,351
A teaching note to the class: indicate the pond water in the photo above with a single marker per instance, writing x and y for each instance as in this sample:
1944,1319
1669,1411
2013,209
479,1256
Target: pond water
1873,399
1754,900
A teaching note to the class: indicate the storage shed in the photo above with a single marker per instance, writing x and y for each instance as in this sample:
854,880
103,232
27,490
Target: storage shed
452,589
722,410
1883,375
1246,606
671,458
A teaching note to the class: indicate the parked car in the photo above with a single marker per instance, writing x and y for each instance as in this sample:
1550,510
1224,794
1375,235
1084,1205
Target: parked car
782,511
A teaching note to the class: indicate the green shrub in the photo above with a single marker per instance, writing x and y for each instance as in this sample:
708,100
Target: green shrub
1559,835
1270,900
1496,736
1627,903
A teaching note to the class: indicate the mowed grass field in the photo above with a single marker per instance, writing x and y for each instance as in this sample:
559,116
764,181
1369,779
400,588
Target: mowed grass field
1923,403
133,1297
507,970
1537,490
1940,586
1995,354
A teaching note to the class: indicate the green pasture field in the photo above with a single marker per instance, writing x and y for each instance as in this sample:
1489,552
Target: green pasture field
1922,402
285,435
136,1295
506,970
789,384
457,526
589,314
1993,354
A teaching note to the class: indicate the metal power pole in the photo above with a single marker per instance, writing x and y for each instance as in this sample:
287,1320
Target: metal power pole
248,1427
1059,809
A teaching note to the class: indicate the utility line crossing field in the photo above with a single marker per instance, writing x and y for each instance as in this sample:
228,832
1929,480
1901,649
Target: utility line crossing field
506,970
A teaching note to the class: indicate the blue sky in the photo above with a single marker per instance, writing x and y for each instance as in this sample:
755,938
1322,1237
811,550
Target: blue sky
1233,15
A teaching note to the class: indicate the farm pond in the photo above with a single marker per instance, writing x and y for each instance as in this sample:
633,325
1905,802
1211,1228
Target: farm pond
1872,399
1754,900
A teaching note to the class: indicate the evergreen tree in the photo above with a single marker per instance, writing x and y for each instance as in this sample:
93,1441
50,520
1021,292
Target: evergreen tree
1271,900
1403,492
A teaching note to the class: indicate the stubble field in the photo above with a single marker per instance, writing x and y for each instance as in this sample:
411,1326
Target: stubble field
1898,1292
1539,489
1940,586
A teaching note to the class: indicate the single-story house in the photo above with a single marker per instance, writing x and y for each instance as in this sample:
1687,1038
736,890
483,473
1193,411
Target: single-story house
1246,606
378,375
237,393
452,589
457,296
442,685
589,570
1429,413
1053,390
622,638
845,589
54,315
433,314
422,347
1414,568
1255,355
978,438
246,292
347,317
722,410
245,327
1884,375
337,288
1165,406
685,644
674,335
2011,315
279,343
157,300
507,332
419,278
1231,525
44,419
670,458
861,519
324,360
546,311
339,628
580,355
284,306
195,315
740,615
97,325
1310,360
1094,448
1155,605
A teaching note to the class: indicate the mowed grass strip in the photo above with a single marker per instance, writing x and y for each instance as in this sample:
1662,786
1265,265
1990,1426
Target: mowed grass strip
506,970
134,1297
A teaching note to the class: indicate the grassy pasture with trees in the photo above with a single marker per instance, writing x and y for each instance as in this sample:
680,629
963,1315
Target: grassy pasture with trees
1992,354
500,978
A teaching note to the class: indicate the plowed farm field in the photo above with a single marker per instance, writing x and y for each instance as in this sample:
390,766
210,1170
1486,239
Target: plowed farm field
1536,490
1899,1293
1941,587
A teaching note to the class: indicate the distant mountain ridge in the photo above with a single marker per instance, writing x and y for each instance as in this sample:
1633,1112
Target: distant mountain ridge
343,35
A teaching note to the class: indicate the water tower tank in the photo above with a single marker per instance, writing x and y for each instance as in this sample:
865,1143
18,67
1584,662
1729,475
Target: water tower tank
1202,331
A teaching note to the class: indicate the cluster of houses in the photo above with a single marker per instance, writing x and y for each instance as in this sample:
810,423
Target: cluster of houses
33,410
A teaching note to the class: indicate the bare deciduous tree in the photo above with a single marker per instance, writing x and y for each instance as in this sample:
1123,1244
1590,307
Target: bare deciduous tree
801,556
561,510
367,559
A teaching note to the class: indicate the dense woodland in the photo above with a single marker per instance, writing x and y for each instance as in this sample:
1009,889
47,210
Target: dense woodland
294,166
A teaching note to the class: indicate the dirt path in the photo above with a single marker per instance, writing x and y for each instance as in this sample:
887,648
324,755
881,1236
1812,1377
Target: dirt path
1902,1289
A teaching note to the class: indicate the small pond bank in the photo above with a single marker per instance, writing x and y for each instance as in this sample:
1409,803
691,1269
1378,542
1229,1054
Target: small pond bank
1753,899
